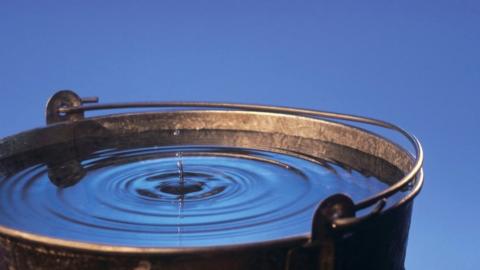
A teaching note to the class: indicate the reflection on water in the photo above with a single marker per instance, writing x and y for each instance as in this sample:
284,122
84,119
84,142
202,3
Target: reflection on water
155,197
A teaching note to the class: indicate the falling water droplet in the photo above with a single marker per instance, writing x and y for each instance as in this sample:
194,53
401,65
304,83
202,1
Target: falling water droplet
180,170
181,197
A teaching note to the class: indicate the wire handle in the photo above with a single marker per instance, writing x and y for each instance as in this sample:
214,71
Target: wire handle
66,105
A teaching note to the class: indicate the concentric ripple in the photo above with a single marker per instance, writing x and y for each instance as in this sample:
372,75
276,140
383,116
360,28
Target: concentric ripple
139,198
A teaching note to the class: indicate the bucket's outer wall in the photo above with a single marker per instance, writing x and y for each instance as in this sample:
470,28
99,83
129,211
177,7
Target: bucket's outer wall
378,244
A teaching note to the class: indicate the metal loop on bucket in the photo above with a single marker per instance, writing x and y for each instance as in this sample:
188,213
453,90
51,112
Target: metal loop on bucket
415,175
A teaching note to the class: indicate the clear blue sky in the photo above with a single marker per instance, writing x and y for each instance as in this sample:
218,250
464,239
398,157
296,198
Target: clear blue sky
415,63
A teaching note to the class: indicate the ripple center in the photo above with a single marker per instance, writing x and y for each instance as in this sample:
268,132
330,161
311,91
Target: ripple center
178,188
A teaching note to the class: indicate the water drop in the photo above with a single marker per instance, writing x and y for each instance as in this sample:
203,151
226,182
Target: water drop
180,168
181,193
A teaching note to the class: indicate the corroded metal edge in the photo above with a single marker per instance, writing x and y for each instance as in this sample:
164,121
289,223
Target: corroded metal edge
299,126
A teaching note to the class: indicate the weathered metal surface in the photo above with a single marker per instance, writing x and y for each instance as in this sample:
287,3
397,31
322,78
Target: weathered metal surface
25,255
66,99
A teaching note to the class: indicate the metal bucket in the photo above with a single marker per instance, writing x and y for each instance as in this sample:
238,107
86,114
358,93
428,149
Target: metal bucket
370,233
